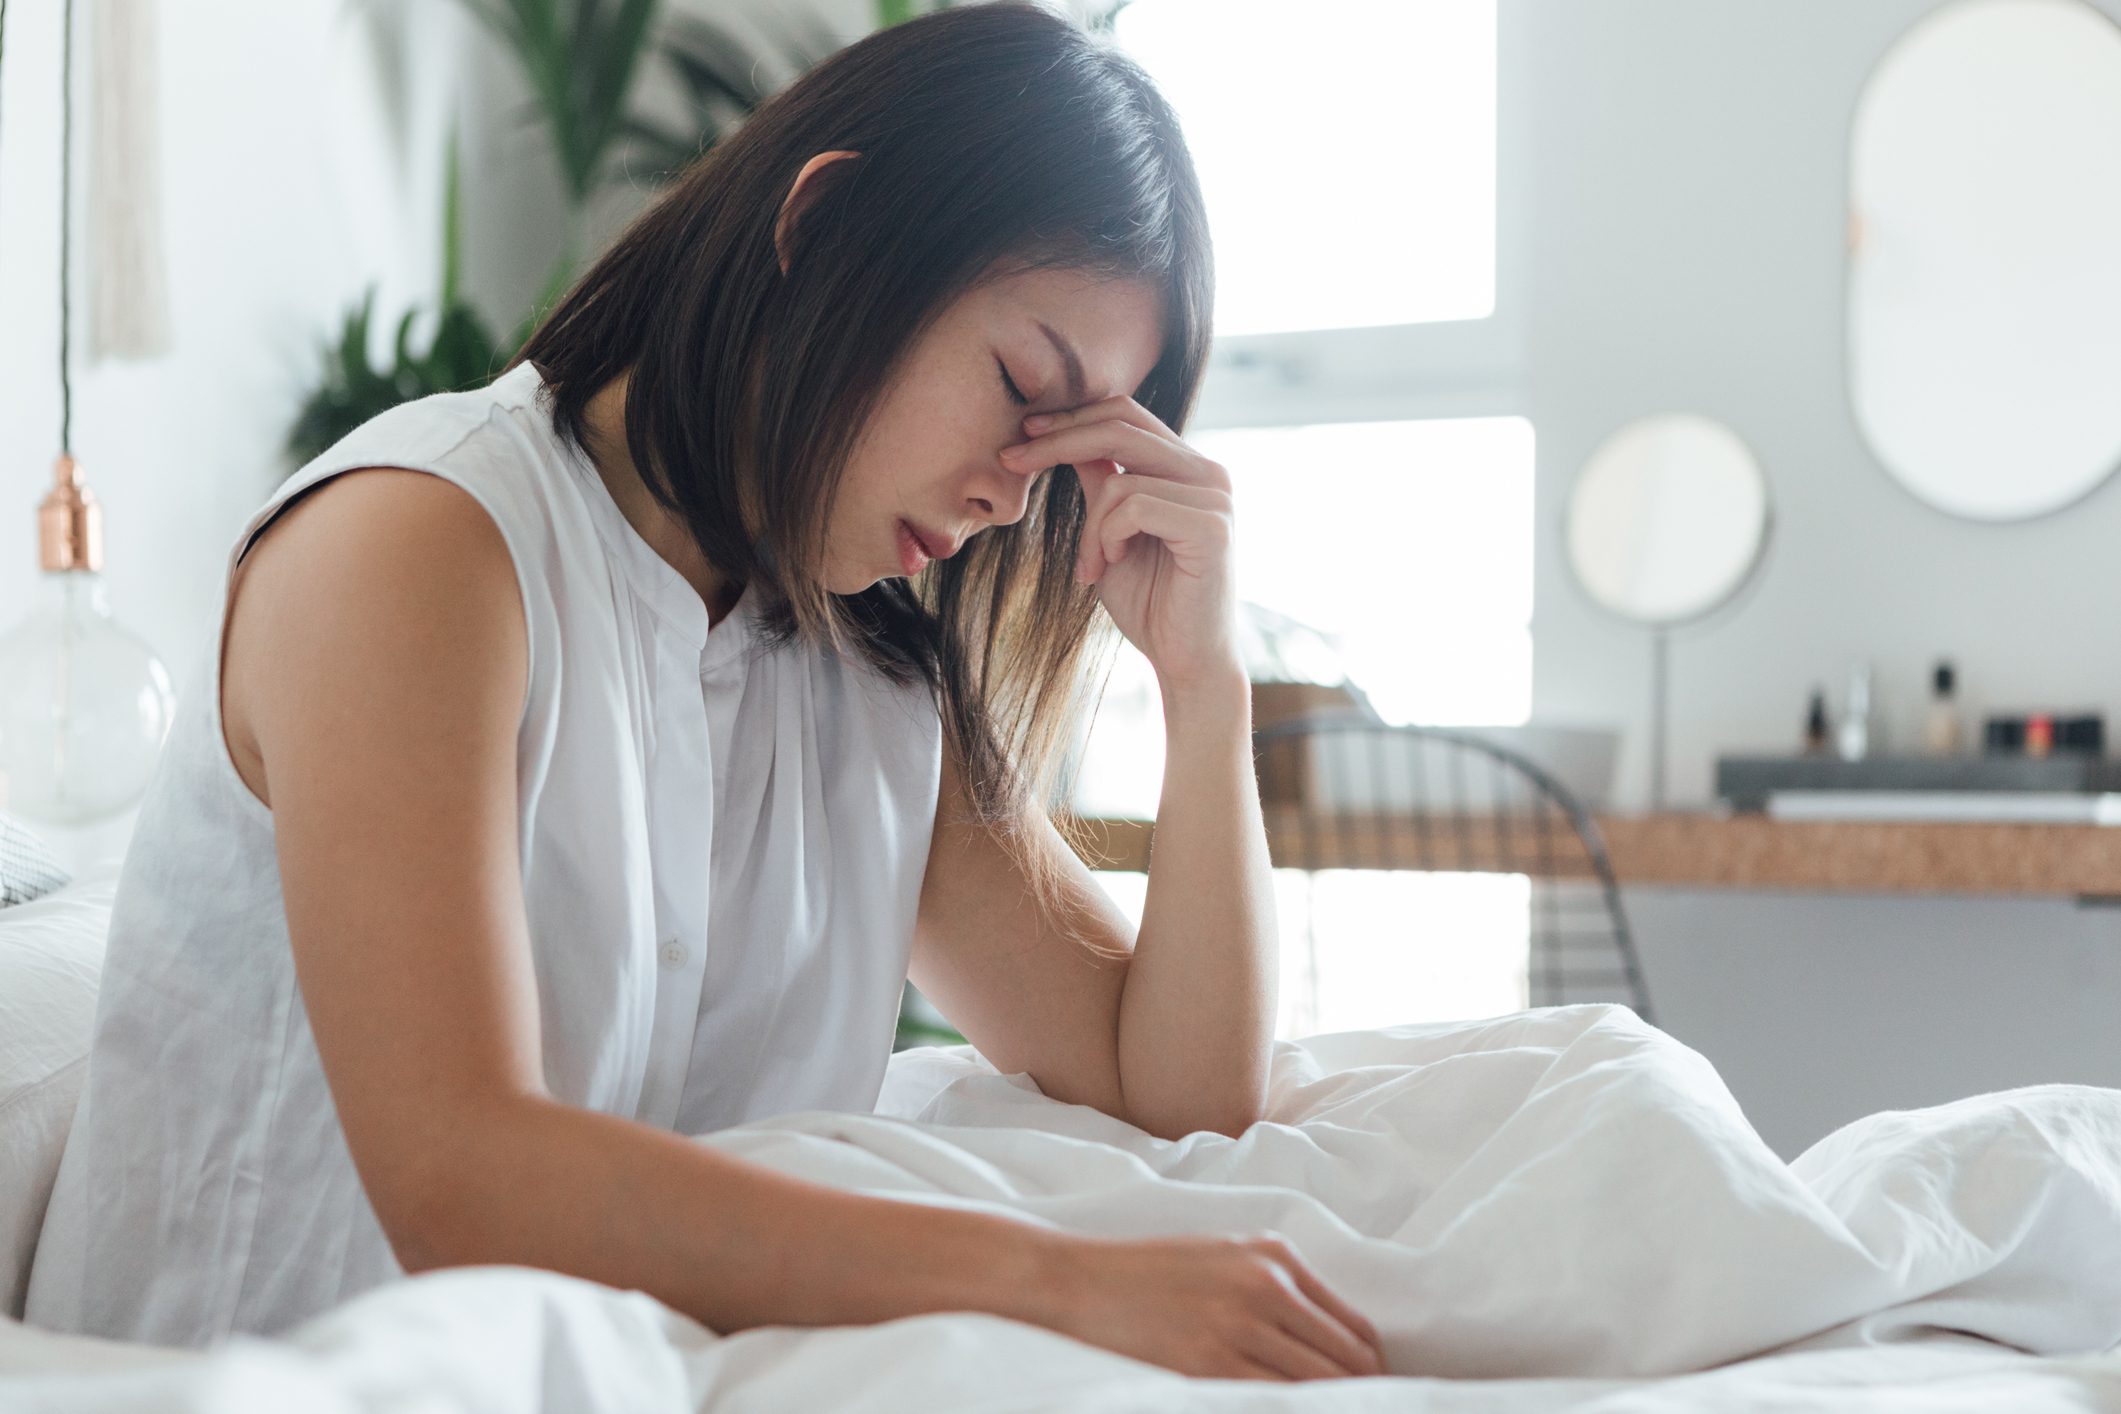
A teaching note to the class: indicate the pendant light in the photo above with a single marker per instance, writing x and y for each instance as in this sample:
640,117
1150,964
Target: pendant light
84,702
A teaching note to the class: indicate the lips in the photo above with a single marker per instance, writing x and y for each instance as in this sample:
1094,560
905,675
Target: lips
917,547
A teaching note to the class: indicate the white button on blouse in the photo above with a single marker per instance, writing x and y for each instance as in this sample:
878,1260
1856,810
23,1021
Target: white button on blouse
722,849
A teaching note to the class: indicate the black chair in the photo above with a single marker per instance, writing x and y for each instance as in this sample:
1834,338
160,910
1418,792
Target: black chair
1347,790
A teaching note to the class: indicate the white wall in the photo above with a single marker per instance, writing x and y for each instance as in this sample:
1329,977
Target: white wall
1817,1010
287,184
302,158
298,163
302,151
1688,239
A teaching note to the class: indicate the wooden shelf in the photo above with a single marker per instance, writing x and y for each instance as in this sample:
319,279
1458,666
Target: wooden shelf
1711,851
1752,851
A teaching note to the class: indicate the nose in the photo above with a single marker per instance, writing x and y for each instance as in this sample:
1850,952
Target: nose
1001,496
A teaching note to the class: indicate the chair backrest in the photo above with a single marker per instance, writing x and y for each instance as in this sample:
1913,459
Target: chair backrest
1345,790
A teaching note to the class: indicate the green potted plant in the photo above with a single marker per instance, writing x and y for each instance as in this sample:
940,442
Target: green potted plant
580,60
461,354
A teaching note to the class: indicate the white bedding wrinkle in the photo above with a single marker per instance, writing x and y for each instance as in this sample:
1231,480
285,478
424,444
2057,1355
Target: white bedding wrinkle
1561,1209
1564,1191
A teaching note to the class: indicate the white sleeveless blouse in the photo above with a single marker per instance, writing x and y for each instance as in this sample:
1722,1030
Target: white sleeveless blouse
722,850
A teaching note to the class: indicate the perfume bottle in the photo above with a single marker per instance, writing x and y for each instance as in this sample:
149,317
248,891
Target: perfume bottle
1815,725
84,703
1852,736
1941,730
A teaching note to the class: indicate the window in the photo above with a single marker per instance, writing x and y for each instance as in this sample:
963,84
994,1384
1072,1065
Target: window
1408,545
1364,395
1346,149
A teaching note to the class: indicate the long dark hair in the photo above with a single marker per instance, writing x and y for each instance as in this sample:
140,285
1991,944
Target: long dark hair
991,137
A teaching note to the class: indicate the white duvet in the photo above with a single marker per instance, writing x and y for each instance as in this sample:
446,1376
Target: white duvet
1557,1209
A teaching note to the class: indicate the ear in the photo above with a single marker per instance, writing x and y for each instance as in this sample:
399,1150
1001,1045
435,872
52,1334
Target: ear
799,198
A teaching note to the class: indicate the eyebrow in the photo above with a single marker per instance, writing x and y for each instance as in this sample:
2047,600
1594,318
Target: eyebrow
1077,393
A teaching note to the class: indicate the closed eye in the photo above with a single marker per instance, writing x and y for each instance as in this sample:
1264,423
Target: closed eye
1009,383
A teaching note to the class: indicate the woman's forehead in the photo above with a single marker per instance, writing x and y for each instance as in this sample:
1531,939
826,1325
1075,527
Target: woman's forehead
1112,323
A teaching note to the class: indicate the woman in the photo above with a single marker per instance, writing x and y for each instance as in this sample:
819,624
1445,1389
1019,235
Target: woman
450,912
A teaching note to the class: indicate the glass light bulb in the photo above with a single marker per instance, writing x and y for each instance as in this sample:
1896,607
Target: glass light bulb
84,706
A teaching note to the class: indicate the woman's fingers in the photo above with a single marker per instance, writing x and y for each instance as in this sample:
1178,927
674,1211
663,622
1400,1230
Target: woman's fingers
1324,1315
1124,408
1196,536
1099,438
1132,446
1306,1321
1302,1359
1097,549
1341,1311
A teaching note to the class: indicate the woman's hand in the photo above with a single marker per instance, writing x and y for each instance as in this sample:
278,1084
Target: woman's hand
1157,542
1242,1308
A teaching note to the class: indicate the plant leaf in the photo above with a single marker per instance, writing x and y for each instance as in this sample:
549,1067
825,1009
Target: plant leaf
609,67
812,46
659,152
711,59
452,222
353,339
403,343
556,284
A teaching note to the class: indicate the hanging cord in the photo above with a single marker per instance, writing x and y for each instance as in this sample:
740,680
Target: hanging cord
66,242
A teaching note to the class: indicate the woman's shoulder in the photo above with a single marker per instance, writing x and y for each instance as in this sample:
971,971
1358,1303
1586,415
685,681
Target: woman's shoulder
493,444
383,581
498,433
372,538
422,429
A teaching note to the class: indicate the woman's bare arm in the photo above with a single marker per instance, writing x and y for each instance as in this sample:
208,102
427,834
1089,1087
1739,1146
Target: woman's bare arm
375,667
1196,1016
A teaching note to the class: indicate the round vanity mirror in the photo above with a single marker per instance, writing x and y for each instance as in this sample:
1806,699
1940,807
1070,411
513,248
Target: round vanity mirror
1984,299
1668,518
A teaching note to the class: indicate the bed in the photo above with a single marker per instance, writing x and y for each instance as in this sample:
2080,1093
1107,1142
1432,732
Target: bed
1556,1209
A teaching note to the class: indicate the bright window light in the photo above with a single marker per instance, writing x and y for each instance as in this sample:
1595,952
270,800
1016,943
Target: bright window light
1408,544
1408,547
1361,948
1346,150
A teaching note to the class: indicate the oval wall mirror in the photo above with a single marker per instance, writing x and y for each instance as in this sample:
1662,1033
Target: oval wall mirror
1667,519
1984,296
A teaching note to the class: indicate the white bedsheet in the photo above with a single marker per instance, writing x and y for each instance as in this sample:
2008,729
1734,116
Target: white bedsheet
1542,1211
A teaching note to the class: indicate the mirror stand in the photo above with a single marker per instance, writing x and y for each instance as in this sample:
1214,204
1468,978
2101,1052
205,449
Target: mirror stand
1660,709
1666,524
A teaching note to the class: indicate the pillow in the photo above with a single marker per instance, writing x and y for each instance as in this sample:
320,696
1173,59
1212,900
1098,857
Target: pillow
51,959
28,869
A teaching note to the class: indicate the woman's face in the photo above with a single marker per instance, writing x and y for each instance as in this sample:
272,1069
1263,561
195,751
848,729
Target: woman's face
926,474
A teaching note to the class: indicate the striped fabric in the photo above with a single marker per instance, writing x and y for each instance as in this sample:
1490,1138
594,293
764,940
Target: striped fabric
28,868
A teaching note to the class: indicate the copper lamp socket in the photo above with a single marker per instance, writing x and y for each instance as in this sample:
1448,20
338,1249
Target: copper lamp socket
69,522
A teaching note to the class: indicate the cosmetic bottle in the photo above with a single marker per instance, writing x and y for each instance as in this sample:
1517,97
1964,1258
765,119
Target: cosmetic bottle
1941,731
2039,734
1852,738
1815,728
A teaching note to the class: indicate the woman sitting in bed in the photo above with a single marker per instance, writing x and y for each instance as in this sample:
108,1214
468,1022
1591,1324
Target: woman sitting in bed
594,768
